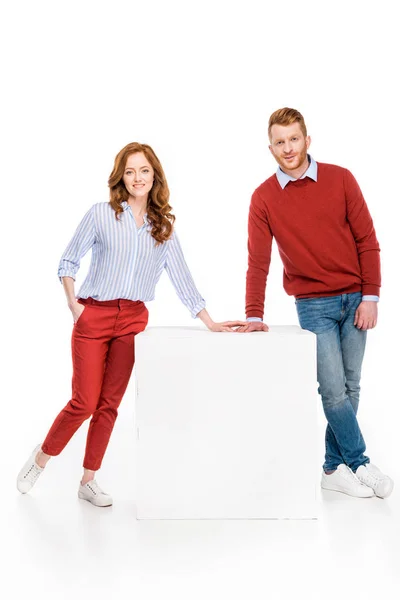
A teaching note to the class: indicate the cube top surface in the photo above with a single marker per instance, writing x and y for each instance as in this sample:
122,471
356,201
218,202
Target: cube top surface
201,332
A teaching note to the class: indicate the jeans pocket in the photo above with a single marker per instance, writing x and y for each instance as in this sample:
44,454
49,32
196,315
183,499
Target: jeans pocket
311,314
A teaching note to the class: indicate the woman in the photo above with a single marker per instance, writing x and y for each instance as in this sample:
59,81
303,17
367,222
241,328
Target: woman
132,240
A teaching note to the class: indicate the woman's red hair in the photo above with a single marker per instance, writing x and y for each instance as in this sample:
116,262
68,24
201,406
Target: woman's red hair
158,209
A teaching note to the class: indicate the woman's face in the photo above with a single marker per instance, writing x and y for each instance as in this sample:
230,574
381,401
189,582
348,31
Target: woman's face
138,175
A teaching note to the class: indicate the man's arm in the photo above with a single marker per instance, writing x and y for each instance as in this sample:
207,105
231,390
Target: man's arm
363,231
259,258
368,250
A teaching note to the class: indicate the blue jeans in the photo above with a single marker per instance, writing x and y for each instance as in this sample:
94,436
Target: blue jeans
340,352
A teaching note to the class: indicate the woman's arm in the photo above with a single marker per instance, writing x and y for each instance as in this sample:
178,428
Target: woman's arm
182,280
81,242
224,326
74,306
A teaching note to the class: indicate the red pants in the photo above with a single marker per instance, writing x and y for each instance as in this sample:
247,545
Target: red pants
103,355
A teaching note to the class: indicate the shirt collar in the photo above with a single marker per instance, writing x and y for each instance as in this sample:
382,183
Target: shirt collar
126,206
311,172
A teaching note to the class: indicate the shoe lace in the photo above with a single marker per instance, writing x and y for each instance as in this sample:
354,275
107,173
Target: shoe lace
32,473
369,478
350,475
94,487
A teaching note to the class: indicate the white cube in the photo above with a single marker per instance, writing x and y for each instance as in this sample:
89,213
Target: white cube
226,424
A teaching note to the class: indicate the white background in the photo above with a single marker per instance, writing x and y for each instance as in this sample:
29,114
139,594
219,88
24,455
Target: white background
197,81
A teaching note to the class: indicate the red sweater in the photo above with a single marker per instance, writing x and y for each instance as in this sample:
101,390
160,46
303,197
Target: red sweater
324,233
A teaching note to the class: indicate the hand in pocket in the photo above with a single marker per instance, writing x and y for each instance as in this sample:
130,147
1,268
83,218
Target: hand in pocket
77,310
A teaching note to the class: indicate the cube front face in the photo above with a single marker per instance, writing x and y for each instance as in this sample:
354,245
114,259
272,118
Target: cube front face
226,424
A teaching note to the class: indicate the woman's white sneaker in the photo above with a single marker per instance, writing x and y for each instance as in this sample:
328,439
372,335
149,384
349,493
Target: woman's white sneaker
28,475
345,481
370,475
93,493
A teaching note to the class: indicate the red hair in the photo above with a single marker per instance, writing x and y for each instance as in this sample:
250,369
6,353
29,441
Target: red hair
158,209
286,116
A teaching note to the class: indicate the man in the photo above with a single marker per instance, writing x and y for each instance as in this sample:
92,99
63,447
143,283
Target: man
326,239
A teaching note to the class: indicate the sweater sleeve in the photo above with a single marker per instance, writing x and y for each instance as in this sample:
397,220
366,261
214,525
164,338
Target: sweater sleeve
259,257
363,231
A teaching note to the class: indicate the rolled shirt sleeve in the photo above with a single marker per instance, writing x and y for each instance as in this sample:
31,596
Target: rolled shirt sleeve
81,242
181,279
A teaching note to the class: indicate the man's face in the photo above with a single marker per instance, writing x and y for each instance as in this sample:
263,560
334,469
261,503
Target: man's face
289,146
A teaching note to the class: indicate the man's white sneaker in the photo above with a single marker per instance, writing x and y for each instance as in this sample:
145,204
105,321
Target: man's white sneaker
370,475
29,473
94,494
345,481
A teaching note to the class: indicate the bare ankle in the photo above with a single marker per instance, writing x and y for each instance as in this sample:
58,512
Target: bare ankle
87,476
42,459
86,480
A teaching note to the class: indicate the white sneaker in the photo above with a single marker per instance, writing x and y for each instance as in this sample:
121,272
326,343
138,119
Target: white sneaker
345,481
94,494
370,475
29,473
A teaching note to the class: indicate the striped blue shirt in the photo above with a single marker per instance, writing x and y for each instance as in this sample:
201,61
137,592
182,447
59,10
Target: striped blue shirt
126,263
